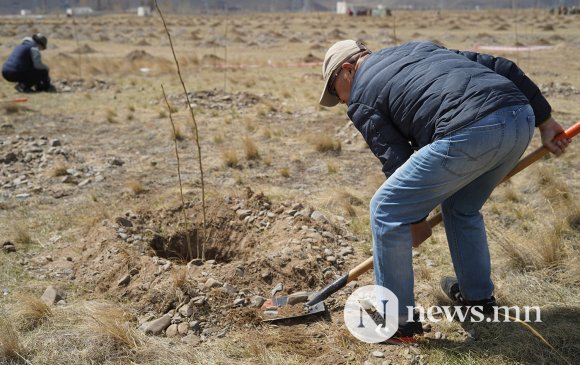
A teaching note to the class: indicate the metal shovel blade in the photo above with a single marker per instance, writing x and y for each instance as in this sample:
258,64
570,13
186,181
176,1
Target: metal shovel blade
277,309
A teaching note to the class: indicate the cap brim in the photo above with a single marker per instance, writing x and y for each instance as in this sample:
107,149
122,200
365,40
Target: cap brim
327,99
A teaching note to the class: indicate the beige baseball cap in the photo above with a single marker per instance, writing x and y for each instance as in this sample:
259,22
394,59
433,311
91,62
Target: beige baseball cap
336,55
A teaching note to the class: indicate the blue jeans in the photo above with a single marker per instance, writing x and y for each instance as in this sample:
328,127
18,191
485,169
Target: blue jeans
459,172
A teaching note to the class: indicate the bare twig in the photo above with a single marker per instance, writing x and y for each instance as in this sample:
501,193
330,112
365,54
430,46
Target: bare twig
178,174
196,133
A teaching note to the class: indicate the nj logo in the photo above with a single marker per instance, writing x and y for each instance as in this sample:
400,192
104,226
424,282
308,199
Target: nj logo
371,313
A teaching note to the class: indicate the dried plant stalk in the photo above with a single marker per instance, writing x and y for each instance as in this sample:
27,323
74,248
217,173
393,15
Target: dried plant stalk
196,133
179,174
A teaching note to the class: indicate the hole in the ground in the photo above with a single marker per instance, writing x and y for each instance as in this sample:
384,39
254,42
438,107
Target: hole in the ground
220,246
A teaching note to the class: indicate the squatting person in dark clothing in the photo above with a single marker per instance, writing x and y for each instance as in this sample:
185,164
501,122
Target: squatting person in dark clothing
24,66
447,126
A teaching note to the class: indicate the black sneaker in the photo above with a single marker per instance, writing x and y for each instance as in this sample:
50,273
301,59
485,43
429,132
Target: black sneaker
450,287
21,88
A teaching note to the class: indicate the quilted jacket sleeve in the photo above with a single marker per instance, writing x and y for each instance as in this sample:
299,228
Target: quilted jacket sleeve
384,139
510,70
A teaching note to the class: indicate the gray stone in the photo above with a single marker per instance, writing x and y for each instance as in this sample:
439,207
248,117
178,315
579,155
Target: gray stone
183,328
191,340
298,297
239,302
171,331
55,143
438,335
279,287
124,281
256,301
378,354
230,290
52,295
198,301
123,222
195,326
84,182
186,310
243,213
212,283
318,216
158,325
331,259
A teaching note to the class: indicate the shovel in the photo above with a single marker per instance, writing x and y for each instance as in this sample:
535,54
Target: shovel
419,233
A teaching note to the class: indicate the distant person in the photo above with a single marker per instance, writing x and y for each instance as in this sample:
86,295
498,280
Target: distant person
447,126
25,67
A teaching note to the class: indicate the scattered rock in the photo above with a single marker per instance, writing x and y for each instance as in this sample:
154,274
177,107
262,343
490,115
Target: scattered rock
191,340
378,354
123,222
186,310
52,295
257,301
124,281
183,328
230,290
318,216
298,297
171,331
157,326
212,283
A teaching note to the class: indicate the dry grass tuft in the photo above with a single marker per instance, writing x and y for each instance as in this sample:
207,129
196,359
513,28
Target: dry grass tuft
177,134
324,143
11,108
284,172
552,249
31,311
230,158
113,323
135,186
59,169
331,167
10,346
251,149
22,235
179,279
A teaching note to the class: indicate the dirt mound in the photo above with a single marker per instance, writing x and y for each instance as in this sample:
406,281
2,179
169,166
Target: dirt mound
138,55
152,259
217,99
211,58
311,58
65,85
84,49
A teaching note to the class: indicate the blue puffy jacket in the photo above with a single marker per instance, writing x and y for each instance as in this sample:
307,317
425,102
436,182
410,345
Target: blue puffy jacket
20,60
405,97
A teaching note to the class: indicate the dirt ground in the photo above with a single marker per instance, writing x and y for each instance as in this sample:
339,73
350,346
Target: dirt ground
90,197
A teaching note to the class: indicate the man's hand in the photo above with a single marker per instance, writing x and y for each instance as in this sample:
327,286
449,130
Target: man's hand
549,130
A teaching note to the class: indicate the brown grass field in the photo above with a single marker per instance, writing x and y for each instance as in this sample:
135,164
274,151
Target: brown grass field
80,163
